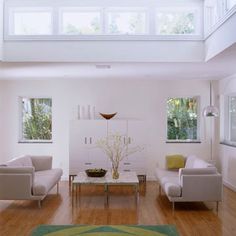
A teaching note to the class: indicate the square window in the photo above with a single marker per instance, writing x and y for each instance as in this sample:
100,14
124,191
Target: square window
36,119
126,22
77,22
175,22
182,119
30,21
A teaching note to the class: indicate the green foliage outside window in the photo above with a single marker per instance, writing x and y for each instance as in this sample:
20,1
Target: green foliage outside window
37,119
182,119
176,23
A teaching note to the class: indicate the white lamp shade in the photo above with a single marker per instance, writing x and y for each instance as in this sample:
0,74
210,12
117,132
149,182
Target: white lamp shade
210,111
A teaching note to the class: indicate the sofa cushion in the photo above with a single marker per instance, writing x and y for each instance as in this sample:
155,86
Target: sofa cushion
172,189
21,161
45,180
42,162
194,162
169,181
190,161
174,161
161,173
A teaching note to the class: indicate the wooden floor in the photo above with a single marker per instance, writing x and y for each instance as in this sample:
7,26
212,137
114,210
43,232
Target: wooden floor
18,218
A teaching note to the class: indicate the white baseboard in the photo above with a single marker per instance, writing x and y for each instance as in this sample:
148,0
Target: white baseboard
229,185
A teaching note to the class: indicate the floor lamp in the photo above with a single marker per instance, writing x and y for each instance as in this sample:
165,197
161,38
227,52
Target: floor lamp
211,111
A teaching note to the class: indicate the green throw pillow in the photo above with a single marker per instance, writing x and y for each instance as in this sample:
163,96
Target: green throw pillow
175,161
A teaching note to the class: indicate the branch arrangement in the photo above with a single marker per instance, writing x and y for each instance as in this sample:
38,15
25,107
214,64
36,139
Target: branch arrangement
116,148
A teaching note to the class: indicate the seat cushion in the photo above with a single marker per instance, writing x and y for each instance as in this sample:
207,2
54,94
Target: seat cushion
160,173
45,180
172,188
169,181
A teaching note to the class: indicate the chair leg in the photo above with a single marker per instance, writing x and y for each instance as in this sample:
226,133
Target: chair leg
173,206
57,188
217,206
39,203
159,189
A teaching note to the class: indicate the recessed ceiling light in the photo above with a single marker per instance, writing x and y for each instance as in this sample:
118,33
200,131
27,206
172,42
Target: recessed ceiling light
103,66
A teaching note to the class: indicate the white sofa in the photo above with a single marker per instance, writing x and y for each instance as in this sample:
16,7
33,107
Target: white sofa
197,181
28,178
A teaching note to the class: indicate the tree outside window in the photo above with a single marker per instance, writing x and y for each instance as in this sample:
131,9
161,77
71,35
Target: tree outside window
176,23
36,119
182,119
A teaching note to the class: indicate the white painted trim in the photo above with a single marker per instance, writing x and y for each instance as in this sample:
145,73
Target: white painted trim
229,185
221,21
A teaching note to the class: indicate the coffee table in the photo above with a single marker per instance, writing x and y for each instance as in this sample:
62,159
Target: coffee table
125,178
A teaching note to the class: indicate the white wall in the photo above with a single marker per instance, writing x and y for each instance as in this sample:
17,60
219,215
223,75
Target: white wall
141,99
1,29
116,51
221,39
227,154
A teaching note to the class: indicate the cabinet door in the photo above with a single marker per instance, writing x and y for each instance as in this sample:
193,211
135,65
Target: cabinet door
137,137
87,132
82,144
136,132
117,127
79,160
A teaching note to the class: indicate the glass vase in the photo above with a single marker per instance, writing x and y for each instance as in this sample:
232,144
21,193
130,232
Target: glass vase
115,172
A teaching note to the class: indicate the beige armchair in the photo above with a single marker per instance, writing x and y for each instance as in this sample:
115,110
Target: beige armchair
28,178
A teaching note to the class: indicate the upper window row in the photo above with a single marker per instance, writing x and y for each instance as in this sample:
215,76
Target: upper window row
30,21
215,10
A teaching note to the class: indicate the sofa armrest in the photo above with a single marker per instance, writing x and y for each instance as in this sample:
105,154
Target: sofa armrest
203,187
16,182
17,169
42,162
197,171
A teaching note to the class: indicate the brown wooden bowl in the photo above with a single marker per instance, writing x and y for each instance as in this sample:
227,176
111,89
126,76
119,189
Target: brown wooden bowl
96,172
108,116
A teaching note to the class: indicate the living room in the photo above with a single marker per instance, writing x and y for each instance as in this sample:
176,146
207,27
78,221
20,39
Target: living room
133,75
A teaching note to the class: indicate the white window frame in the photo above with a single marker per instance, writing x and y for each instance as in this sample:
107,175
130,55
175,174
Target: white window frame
227,5
198,140
79,9
21,139
194,10
55,7
227,120
10,21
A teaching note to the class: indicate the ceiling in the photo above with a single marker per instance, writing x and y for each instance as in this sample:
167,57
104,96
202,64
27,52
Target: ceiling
221,66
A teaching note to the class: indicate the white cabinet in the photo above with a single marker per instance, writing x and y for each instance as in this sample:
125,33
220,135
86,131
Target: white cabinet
84,154
135,136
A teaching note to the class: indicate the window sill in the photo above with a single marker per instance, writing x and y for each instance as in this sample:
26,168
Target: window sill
147,37
228,144
183,141
36,141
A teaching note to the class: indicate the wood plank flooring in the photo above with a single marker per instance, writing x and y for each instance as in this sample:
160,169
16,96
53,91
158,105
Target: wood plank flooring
18,218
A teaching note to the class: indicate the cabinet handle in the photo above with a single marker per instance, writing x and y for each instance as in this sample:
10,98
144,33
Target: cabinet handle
85,140
127,163
90,140
88,163
124,140
129,140
127,170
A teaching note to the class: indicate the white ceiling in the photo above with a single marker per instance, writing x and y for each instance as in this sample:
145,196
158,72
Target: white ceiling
221,66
